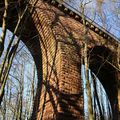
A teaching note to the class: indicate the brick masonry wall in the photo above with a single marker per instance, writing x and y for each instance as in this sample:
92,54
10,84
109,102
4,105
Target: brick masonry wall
61,42
61,96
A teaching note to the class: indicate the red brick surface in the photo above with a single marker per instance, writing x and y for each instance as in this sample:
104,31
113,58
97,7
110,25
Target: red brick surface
61,42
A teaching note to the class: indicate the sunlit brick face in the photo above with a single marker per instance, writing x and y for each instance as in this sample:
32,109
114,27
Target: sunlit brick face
61,47
56,42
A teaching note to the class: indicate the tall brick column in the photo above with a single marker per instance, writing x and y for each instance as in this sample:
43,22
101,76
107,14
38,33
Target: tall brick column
61,95
61,42
70,90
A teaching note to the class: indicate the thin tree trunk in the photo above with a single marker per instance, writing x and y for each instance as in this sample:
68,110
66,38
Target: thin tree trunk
97,98
33,87
7,61
4,24
86,63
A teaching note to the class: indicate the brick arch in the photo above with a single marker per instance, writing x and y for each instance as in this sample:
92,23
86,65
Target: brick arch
101,60
61,96
55,99
31,38
55,40
32,42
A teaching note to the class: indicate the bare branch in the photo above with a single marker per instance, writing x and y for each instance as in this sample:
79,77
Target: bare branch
4,24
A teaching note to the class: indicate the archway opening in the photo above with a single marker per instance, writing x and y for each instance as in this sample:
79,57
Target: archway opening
101,63
24,78
100,102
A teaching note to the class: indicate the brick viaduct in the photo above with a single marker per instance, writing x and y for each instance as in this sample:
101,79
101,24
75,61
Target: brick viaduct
54,36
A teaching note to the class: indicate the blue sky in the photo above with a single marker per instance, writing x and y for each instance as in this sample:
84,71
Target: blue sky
112,20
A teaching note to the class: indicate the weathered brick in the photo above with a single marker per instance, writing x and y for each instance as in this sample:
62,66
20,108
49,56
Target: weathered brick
57,52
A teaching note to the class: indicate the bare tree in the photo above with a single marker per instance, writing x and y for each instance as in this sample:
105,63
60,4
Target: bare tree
13,44
86,63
